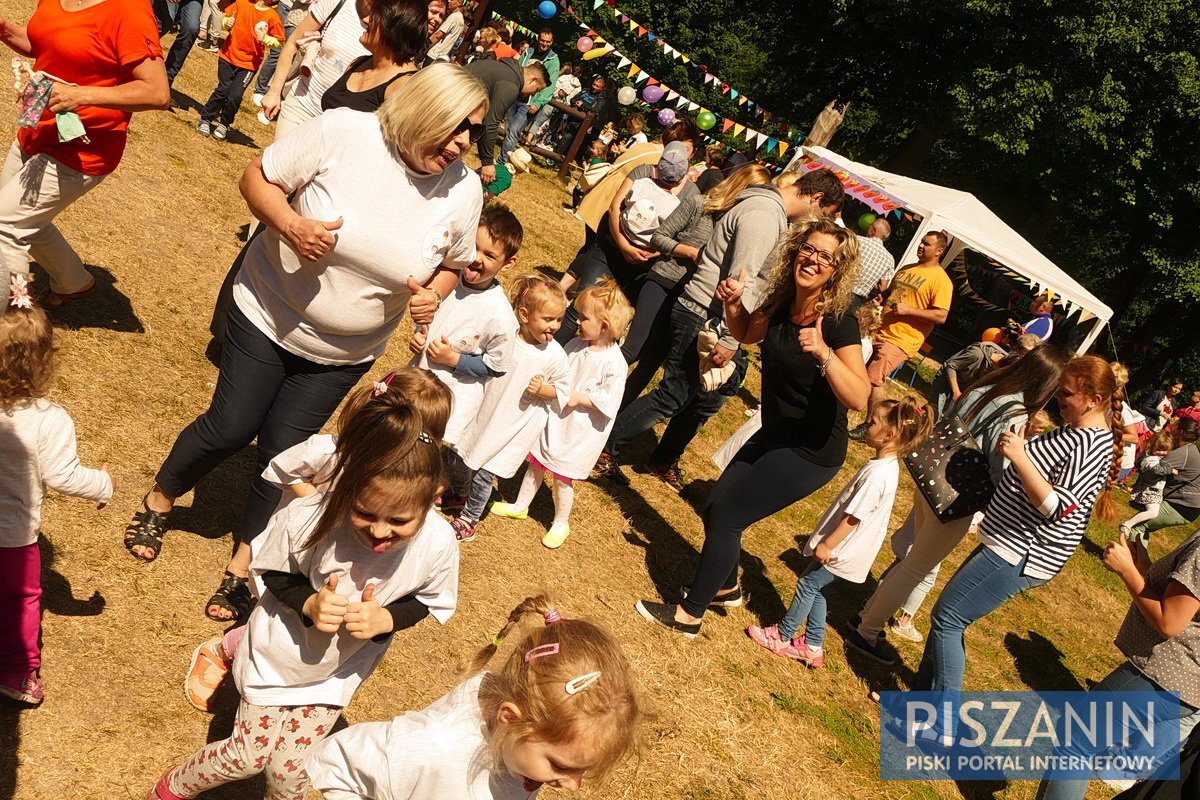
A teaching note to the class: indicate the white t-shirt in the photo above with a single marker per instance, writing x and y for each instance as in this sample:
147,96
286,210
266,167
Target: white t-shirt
340,46
868,498
508,424
438,753
573,439
647,205
37,450
398,224
452,27
475,322
311,461
566,87
1129,451
283,662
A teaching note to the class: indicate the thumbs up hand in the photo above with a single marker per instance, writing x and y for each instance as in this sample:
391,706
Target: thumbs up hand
423,303
420,336
812,340
367,619
441,352
312,238
326,608
730,289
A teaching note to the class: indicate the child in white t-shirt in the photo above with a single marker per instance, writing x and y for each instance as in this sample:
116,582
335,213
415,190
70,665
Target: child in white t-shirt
1148,491
562,709
471,338
849,536
338,573
582,415
515,405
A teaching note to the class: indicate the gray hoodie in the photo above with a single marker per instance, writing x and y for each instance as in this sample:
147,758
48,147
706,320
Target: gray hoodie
745,237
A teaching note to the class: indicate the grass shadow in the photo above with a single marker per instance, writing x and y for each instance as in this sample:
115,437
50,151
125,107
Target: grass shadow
182,102
1040,663
108,308
57,595
219,499
981,790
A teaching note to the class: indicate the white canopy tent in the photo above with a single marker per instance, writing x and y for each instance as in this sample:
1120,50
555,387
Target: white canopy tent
972,224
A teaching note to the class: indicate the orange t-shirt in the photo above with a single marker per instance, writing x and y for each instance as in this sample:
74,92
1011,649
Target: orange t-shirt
923,288
503,50
95,46
243,46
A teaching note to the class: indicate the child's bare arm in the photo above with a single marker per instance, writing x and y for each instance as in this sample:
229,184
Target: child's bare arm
303,489
823,552
580,400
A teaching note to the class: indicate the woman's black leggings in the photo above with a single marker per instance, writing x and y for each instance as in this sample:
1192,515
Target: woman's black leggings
263,392
763,478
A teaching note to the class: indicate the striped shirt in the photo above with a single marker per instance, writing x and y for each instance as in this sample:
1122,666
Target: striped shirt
1075,461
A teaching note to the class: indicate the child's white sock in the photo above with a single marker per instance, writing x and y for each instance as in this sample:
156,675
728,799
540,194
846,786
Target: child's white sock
814,651
530,483
564,498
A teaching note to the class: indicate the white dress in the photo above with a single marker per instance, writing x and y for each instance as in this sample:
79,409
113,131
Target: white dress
438,753
283,662
475,322
508,424
573,439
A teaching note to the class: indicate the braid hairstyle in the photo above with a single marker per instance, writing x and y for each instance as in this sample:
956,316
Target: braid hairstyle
554,705
1094,376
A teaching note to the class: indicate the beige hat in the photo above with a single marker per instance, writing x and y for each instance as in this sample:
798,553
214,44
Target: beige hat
519,160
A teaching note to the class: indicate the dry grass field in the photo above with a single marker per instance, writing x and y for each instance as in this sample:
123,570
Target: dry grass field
726,720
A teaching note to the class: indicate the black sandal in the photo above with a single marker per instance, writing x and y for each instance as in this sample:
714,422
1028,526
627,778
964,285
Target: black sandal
146,529
233,596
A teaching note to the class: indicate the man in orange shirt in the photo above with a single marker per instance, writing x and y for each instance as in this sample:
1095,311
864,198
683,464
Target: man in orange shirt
255,27
919,299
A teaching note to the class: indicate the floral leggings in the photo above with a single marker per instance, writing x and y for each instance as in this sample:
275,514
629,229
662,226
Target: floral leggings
273,740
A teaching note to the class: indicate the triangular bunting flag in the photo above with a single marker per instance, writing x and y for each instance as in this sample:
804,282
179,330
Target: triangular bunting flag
671,95
738,130
685,59
634,70
709,77
772,144
642,76
653,82
683,101
641,31
650,36
783,147
625,62
632,25
741,100
590,32
624,19
692,106
724,88
733,94
597,4
726,125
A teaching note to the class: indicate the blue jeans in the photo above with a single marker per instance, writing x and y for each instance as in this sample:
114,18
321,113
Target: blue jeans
592,265
542,116
1125,678
679,385
478,494
187,14
268,66
808,606
518,117
982,584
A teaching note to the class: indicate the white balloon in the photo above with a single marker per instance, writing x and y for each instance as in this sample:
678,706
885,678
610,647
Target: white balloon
627,95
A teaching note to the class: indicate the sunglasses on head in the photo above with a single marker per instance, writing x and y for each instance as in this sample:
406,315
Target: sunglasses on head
475,130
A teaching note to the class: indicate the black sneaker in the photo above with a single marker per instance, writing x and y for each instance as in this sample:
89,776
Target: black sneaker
859,434
875,652
731,600
664,614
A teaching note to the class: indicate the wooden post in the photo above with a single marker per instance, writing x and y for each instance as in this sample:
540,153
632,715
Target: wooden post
585,125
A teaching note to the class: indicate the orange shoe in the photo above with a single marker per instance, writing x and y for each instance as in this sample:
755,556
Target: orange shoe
205,674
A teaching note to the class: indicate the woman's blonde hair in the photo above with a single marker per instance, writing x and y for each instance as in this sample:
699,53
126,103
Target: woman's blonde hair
609,304
424,112
571,682
835,295
26,354
724,195
488,38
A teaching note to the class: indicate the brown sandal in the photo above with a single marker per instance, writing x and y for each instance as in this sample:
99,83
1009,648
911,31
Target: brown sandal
55,299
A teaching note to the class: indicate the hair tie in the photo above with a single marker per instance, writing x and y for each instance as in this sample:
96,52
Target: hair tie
553,616
18,291
497,641
540,651
577,685
381,387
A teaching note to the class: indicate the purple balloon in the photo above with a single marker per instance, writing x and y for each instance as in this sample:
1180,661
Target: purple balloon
666,116
652,94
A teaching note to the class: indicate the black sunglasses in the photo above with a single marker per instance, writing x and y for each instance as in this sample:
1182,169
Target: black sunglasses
475,128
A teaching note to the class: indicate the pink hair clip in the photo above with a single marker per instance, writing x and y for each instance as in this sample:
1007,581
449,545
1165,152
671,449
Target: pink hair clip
381,387
550,649
553,616
18,291
577,685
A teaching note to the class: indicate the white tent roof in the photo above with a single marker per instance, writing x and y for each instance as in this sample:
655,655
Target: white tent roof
961,215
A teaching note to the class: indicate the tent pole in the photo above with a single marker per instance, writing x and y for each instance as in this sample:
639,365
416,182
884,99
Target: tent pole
1091,336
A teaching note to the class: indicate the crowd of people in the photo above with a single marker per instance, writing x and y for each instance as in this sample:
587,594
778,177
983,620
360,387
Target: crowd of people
366,213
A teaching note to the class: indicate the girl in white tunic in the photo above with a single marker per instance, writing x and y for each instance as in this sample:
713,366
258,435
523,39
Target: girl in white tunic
583,412
561,709
343,570
515,405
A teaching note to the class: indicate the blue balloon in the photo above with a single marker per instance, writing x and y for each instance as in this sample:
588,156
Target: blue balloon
547,9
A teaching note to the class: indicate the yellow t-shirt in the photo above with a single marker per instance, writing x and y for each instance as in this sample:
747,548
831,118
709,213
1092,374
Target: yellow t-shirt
920,287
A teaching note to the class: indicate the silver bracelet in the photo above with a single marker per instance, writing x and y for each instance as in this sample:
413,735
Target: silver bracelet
828,361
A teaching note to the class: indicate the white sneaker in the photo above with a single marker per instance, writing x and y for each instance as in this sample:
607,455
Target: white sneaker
257,99
905,631
263,118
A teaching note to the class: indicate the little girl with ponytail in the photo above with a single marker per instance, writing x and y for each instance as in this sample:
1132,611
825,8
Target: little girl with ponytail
560,710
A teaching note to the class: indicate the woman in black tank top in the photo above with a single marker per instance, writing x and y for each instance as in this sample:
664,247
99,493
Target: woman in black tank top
396,35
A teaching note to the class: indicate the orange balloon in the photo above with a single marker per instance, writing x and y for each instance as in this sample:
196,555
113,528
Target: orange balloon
993,335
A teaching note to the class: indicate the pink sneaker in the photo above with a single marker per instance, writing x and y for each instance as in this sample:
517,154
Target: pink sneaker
161,792
29,691
464,531
769,638
806,656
